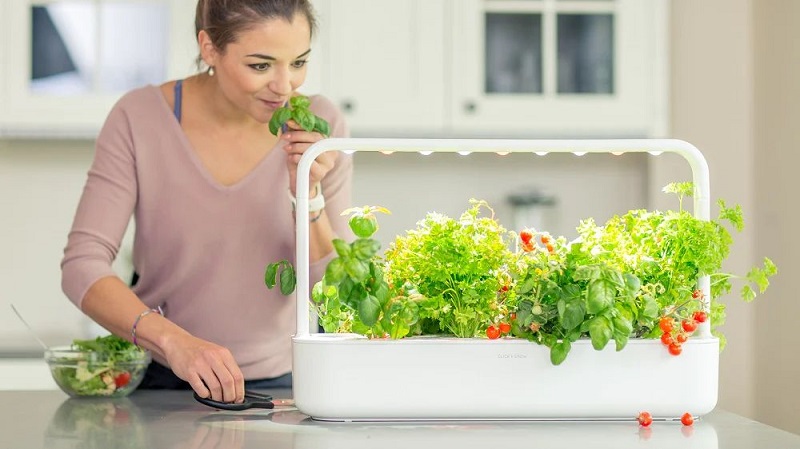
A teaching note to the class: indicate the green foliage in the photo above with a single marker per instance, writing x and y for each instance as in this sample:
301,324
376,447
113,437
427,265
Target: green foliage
455,268
353,295
298,110
281,272
116,349
616,280
459,277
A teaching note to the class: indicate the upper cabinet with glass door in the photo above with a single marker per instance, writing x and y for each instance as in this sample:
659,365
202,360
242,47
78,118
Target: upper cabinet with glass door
559,68
72,59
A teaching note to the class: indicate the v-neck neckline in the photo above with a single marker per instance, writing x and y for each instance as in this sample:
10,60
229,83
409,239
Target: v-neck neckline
187,147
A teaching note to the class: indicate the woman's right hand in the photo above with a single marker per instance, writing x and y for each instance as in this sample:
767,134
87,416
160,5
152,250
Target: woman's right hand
209,368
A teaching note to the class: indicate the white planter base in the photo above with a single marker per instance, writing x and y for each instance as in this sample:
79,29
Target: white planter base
346,377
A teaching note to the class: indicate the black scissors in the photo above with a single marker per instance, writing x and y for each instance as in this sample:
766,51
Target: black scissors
251,400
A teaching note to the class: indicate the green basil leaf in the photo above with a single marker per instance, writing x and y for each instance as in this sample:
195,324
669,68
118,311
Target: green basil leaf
356,269
620,341
559,351
279,118
270,274
600,332
381,292
304,118
368,310
573,315
365,249
342,248
288,279
334,272
300,101
322,127
632,284
600,295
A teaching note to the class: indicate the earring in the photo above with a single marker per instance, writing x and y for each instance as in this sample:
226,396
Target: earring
211,71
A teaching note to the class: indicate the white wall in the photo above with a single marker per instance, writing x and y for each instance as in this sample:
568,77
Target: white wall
40,183
736,96
776,158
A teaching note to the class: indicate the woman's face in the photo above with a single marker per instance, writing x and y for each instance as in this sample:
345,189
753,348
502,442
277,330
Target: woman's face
260,70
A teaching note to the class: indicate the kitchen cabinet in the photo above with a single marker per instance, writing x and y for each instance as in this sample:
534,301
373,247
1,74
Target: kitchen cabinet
557,67
383,63
487,68
66,62
424,68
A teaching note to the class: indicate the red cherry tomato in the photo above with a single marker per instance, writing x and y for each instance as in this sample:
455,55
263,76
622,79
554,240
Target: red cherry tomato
700,316
681,338
505,328
122,379
687,419
645,419
689,326
697,294
492,332
675,349
665,323
666,338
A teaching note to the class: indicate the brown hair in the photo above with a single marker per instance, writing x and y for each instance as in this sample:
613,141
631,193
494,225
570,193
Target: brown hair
223,20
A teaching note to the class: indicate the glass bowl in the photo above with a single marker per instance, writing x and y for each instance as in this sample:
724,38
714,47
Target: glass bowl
82,373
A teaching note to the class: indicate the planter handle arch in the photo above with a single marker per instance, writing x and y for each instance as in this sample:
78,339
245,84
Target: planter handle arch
698,164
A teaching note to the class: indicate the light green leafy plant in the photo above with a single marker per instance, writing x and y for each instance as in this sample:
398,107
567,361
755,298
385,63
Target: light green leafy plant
455,269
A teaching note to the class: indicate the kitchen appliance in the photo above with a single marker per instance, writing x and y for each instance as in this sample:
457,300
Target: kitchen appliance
347,377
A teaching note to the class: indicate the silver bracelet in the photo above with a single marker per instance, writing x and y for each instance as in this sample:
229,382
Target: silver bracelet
157,310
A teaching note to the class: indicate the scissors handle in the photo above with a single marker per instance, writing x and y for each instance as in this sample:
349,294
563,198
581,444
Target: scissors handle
251,400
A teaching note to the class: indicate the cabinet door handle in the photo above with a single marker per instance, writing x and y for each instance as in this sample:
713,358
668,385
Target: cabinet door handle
470,107
348,106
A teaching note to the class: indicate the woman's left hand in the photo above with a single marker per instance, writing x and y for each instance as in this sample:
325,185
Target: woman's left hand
295,142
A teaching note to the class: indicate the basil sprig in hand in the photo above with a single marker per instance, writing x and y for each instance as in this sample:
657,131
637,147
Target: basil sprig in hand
298,110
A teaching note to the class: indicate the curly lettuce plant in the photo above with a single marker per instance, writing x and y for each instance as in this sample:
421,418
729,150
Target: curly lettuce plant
454,271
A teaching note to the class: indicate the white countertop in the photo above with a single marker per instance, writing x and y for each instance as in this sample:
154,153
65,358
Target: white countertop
173,419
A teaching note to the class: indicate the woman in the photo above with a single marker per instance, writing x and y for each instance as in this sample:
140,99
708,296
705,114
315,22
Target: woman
211,193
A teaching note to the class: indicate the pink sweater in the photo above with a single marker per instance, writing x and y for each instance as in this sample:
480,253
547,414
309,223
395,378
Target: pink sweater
200,247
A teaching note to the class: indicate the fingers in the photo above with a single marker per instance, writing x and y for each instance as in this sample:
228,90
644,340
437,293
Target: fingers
230,381
296,144
198,385
210,370
224,379
238,380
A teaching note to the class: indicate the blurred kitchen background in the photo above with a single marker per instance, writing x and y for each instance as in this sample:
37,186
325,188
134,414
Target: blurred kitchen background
721,74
